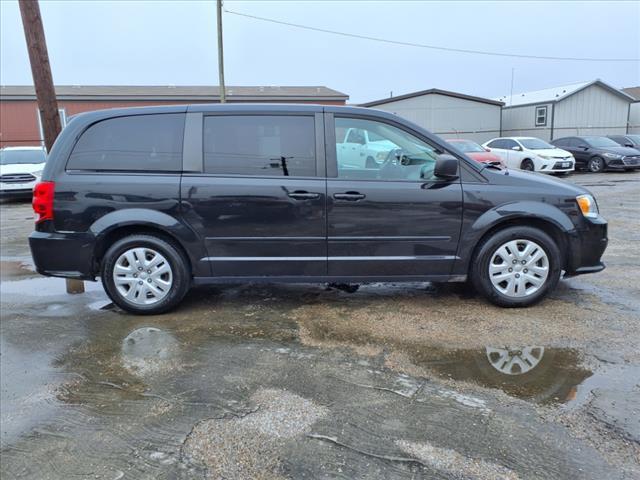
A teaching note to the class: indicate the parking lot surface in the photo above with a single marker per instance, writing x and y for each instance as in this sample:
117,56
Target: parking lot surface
308,381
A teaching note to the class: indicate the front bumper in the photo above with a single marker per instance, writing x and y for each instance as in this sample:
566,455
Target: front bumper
557,166
623,164
68,255
586,247
16,193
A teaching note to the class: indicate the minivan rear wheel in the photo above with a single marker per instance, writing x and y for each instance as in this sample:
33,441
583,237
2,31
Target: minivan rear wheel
516,267
145,274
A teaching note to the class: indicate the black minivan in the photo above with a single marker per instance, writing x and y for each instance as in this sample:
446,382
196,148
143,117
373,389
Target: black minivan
156,199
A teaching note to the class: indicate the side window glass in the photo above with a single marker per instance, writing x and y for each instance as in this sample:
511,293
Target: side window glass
259,145
135,143
391,154
356,136
509,144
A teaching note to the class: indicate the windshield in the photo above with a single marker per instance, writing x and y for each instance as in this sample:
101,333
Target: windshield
634,138
467,146
11,157
534,144
600,142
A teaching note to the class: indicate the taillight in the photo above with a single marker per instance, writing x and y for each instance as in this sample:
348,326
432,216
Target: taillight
43,201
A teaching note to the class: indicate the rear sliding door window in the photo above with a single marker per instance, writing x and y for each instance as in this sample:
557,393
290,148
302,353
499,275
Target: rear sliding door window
137,143
259,145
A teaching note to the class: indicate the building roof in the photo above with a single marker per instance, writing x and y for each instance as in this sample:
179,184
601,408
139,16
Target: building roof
177,93
431,91
633,92
556,94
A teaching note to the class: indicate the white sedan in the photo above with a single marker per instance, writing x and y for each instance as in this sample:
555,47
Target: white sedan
20,169
532,154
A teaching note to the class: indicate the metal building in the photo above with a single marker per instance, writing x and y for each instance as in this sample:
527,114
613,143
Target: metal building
587,108
634,109
445,113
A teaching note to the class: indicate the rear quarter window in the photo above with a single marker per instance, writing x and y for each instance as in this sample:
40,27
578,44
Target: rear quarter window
136,143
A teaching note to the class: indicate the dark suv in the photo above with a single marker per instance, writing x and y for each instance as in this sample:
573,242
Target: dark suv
156,199
598,154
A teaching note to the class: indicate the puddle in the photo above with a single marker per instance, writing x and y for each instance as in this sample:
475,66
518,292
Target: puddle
536,373
13,269
149,350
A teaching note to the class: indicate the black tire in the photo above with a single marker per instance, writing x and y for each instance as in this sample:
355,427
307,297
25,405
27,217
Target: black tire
181,275
527,165
371,163
596,165
479,271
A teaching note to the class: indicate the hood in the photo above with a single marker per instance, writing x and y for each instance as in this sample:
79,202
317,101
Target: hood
483,156
552,152
21,168
529,179
620,150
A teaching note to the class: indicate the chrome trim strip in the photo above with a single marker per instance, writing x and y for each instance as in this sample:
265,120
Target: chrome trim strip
323,259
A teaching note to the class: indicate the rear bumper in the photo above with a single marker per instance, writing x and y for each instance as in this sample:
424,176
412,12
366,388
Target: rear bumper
586,247
68,255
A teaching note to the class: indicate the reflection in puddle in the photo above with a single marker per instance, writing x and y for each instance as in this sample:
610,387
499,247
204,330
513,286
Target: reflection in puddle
149,350
544,375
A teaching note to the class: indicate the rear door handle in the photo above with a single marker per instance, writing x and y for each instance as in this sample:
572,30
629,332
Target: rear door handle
302,195
349,196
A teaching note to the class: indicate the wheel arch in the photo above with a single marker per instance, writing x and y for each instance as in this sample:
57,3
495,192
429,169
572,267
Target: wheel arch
122,223
544,217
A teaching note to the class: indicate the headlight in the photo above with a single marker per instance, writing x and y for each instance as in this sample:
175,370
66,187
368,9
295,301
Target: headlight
587,205
612,155
546,157
37,173
381,155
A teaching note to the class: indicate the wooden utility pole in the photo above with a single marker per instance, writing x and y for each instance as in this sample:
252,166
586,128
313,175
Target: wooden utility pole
43,82
223,93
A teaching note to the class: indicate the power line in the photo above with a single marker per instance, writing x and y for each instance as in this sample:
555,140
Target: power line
432,47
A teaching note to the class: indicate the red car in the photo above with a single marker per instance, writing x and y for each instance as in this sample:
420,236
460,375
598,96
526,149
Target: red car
475,151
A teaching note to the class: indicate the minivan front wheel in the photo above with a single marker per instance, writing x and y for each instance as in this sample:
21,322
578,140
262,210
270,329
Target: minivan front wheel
517,267
145,274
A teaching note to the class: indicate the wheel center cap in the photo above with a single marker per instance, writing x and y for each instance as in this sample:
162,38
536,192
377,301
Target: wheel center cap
143,275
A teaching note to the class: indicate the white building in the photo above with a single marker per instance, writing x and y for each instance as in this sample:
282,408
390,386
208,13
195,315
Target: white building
448,114
587,108
634,109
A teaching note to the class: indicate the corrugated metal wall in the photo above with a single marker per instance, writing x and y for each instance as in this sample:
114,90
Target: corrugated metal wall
449,117
634,118
521,121
593,111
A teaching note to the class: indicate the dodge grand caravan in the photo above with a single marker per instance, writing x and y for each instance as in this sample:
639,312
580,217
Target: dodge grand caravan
153,200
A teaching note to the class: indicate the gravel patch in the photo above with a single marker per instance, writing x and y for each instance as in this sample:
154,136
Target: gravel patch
454,463
251,446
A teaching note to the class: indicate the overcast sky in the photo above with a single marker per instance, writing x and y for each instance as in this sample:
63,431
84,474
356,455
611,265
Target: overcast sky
174,43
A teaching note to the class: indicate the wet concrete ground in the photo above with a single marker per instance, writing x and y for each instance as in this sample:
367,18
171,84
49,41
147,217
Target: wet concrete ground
301,381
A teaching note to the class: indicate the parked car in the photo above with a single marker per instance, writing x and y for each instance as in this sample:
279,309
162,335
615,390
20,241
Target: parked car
234,193
476,151
20,170
363,149
531,154
628,140
597,154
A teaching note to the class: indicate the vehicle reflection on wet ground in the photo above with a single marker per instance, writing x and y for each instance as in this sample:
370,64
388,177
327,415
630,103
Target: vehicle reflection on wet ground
273,381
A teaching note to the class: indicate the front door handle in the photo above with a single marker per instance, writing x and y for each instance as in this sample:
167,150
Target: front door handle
349,196
302,195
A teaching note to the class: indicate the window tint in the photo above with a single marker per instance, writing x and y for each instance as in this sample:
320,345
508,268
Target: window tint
136,143
509,144
561,142
394,155
496,144
262,145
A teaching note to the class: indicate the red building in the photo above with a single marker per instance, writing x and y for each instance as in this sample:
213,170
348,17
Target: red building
20,119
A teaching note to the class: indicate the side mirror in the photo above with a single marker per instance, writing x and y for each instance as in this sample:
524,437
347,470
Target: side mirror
630,145
446,167
517,148
487,149
584,147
